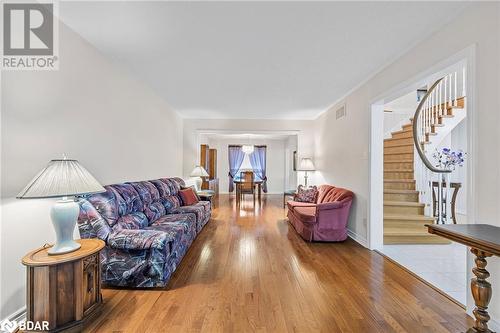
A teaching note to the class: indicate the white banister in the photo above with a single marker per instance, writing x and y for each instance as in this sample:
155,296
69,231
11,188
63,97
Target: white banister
433,106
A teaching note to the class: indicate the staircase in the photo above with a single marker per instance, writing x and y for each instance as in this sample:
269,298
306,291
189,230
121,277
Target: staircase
404,218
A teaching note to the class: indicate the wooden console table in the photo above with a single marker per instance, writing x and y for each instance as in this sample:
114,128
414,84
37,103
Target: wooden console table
484,241
64,290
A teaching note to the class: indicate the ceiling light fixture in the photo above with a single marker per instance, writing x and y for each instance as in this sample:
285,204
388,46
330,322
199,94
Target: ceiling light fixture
247,149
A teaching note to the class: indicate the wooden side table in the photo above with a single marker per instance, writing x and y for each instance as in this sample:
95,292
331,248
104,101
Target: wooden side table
484,242
207,195
64,290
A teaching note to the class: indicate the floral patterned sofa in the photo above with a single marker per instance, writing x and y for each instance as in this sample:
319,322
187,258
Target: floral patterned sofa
146,228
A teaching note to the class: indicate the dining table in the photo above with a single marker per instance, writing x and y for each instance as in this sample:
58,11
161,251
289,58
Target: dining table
257,183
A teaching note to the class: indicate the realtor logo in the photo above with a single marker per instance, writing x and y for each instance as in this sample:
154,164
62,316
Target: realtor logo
29,36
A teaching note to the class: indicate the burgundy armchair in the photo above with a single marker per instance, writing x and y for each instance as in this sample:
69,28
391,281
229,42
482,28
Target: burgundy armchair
325,219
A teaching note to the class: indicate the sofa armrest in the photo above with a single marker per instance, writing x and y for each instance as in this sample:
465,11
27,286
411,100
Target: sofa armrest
137,239
333,204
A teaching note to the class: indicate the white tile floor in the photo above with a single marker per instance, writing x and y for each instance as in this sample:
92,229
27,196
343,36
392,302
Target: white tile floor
443,266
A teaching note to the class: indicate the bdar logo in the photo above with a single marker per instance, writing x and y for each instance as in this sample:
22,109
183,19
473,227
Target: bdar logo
28,29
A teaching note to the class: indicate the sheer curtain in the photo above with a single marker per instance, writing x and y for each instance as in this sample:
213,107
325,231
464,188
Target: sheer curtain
236,156
258,161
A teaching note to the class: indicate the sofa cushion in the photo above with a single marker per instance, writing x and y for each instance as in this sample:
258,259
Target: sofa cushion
162,187
136,220
292,204
173,185
306,194
328,193
167,199
150,197
181,222
128,199
197,209
306,214
188,197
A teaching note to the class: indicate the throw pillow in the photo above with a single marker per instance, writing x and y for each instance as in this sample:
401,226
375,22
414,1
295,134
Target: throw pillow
194,190
306,194
188,197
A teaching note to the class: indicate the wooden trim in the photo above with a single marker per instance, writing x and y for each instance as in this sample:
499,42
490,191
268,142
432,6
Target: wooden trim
470,242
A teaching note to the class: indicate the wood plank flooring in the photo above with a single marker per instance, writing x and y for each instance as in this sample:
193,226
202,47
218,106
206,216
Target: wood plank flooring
248,271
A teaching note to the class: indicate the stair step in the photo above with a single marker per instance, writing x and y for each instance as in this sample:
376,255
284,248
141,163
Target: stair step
403,204
401,195
406,148
400,161
397,165
407,217
389,157
406,221
402,134
397,142
399,170
403,207
395,237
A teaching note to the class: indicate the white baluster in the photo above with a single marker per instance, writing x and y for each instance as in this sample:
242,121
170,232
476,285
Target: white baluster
449,86
463,82
445,91
456,92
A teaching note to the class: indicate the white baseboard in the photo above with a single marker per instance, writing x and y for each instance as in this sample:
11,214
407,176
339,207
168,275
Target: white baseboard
16,317
358,238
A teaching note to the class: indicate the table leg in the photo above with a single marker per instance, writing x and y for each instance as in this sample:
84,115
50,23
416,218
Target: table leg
481,291
237,193
260,190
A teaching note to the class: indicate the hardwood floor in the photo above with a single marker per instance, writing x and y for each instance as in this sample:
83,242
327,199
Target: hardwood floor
249,271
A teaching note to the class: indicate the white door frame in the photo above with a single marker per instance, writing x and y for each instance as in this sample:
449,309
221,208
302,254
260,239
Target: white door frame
376,174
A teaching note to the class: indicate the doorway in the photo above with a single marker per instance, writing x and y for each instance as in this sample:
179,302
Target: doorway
399,205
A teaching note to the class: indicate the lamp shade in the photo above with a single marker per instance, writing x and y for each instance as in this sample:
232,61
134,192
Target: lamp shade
199,171
306,164
61,178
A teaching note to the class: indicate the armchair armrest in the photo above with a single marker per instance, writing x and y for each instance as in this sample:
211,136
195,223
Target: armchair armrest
138,239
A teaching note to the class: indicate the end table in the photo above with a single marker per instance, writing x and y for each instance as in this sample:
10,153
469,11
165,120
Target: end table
207,195
64,290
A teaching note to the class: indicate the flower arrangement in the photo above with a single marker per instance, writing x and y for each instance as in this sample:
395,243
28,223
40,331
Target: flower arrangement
449,159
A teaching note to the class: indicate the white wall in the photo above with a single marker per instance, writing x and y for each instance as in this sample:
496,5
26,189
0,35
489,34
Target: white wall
90,110
275,164
457,140
193,127
342,145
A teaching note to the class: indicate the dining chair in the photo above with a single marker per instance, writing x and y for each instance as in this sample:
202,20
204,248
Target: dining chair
247,185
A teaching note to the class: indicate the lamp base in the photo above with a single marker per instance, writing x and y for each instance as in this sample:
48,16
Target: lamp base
64,214
198,181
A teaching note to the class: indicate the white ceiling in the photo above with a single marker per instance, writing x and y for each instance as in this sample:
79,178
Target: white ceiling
254,59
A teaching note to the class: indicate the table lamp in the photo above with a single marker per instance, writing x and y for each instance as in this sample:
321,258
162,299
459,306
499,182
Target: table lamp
306,164
197,173
63,179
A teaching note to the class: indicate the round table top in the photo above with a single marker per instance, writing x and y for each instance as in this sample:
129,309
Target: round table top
240,181
41,257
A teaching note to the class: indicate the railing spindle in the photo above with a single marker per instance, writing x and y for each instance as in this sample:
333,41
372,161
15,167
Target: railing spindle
456,90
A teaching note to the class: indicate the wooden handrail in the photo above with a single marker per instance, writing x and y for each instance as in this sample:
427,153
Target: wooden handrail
416,140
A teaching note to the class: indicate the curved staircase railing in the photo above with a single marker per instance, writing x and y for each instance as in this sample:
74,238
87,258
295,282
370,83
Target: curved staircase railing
422,124
436,105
